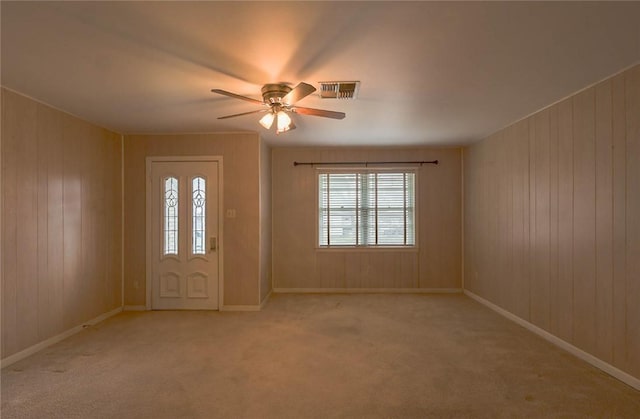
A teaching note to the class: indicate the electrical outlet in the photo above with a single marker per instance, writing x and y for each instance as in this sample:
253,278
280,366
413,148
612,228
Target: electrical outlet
231,213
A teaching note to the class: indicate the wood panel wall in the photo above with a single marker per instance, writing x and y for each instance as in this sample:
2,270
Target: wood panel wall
298,264
61,222
265,221
241,191
552,220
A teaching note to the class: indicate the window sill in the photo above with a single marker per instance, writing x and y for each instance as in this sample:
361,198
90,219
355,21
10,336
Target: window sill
372,249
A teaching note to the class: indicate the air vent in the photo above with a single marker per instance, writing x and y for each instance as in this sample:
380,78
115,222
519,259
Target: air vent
339,89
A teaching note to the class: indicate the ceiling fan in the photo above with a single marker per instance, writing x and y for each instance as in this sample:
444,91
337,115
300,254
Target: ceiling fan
278,100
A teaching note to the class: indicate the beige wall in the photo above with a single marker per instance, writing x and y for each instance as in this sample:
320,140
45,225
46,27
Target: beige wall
552,220
61,222
265,220
297,263
241,165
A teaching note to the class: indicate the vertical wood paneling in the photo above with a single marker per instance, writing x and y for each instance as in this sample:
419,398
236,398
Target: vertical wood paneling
540,279
27,230
573,225
45,286
619,222
331,270
470,226
105,228
372,270
265,220
493,226
87,223
513,209
10,139
357,268
565,220
51,280
114,224
134,223
604,223
632,94
480,228
554,301
72,222
97,201
522,297
503,221
489,227
409,266
531,254
515,228
584,220
55,219
439,248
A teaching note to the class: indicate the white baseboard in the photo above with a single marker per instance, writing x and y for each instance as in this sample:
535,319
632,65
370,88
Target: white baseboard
265,300
134,308
240,308
596,362
55,339
367,290
222,308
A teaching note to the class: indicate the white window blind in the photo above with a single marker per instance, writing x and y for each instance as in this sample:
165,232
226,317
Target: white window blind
366,209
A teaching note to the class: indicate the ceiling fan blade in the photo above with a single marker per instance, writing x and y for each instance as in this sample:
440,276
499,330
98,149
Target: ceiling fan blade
225,93
301,91
243,113
319,112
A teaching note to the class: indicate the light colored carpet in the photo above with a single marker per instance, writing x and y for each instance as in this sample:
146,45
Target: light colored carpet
313,356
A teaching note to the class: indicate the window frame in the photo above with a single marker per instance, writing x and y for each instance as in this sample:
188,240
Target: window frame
366,248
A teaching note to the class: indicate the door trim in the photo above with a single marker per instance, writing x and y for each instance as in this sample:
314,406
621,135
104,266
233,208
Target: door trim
148,204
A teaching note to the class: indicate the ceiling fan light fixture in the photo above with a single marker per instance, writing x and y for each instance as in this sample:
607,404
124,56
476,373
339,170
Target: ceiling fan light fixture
284,122
284,130
267,120
280,99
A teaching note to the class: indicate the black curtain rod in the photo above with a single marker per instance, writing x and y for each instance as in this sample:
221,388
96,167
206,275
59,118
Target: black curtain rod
366,163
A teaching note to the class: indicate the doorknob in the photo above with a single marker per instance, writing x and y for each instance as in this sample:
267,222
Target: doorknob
213,243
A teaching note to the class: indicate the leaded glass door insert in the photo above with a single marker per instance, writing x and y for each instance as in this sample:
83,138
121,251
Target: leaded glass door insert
198,210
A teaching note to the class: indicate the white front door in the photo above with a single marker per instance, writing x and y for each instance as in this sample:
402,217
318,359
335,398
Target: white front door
184,235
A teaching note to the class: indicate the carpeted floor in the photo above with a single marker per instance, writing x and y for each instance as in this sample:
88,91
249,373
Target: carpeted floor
313,356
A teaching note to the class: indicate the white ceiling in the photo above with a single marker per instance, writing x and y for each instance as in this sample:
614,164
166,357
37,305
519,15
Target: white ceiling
431,73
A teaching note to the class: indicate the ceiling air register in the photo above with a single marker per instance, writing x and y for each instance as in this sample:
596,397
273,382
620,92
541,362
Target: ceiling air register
339,89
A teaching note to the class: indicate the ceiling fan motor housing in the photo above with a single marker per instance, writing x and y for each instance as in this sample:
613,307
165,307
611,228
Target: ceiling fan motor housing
273,93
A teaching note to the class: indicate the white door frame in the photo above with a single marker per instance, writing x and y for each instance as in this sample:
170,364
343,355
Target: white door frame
149,227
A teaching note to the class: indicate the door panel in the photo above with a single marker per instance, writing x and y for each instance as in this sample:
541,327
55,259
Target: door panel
184,222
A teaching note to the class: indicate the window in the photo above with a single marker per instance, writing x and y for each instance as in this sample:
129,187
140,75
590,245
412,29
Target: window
171,216
366,208
198,215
